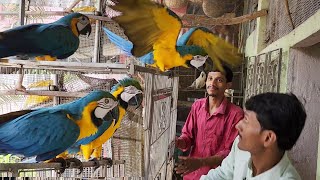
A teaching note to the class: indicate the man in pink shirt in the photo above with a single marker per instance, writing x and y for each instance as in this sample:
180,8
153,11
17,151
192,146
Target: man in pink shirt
209,130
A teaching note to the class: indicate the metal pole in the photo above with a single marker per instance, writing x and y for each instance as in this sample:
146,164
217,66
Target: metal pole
54,77
22,12
97,42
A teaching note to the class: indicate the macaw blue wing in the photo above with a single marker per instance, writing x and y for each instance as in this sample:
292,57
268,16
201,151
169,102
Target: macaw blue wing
183,39
56,40
44,133
127,46
12,115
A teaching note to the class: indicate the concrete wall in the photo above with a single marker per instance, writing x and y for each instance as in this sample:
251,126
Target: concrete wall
304,81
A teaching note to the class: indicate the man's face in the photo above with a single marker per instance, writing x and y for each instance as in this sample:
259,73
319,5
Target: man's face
250,135
216,84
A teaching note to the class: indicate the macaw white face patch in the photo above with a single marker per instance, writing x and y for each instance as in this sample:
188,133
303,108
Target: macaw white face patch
198,61
129,92
82,23
105,105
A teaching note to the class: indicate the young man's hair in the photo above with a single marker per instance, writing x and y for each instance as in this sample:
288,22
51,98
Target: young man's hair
227,72
282,113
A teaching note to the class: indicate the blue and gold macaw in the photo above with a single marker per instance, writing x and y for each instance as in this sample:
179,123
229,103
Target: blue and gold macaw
127,92
154,29
57,40
47,132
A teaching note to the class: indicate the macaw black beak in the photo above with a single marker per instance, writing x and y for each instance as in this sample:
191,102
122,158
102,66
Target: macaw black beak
86,30
136,100
115,113
201,68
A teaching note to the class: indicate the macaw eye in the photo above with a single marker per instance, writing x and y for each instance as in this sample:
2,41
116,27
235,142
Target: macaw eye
107,101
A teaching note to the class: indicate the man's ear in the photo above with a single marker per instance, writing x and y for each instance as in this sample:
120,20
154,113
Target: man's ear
229,85
270,138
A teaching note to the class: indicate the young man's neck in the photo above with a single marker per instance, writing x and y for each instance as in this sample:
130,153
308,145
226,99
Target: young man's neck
214,103
265,161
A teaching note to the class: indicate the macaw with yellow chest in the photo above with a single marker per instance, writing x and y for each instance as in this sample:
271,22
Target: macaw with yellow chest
57,40
47,132
154,29
128,92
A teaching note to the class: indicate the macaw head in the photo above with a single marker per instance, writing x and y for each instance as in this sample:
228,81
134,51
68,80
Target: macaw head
78,22
107,106
129,92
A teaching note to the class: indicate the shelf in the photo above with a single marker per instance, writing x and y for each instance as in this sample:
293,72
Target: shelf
66,66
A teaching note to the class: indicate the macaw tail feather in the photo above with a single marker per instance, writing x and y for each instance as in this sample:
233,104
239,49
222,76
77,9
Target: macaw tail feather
123,44
126,46
223,51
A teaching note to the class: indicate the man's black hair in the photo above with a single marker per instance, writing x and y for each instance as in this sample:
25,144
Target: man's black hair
227,72
284,114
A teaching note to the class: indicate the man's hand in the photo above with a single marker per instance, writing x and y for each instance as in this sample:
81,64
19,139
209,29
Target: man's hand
181,144
187,165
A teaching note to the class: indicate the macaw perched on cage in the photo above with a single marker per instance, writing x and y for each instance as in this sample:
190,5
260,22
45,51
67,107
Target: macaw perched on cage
128,92
47,132
57,40
153,28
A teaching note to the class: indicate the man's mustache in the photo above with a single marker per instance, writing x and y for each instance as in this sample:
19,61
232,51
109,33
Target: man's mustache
214,87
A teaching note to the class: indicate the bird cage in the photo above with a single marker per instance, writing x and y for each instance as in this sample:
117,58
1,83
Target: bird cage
141,147
175,3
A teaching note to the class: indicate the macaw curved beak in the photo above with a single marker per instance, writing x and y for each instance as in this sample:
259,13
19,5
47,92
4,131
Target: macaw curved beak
113,114
86,30
136,100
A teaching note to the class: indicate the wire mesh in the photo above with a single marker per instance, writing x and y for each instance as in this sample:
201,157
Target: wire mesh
278,21
127,143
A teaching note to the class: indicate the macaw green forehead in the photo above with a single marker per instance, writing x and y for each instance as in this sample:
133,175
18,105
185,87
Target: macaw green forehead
98,94
73,15
125,83
69,17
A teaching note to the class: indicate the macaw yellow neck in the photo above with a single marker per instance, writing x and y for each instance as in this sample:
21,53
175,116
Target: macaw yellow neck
74,26
109,132
87,128
122,112
88,149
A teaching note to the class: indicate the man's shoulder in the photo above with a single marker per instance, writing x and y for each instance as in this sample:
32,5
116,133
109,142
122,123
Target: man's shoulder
200,101
289,171
234,108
